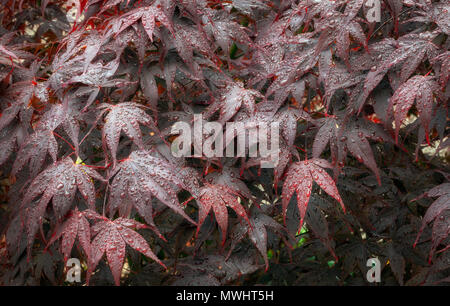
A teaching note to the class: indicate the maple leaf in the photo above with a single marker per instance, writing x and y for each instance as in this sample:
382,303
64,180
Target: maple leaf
340,27
64,115
283,161
439,212
257,233
59,183
310,8
6,53
111,237
225,32
18,97
352,137
221,267
410,51
232,98
196,279
441,264
440,232
397,263
189,39
75,226
190,177
288,118
444,58
34,150
350,27
286,69
317,222
138,178
52,118
296,90
89,60
378,52
72,65
250,7
10,52
229,177
9,139
300,177
436,13
419,88
273,36
125,117
147,15
45,265
32,218
42,141
335,76
148,84
96,74
218,198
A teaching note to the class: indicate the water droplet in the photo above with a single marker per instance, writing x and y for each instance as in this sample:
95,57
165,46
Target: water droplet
283,82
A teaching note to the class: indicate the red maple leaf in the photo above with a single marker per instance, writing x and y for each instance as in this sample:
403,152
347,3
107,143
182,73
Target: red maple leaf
300,177
111,237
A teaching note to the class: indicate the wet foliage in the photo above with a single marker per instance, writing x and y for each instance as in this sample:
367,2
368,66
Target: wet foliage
89,91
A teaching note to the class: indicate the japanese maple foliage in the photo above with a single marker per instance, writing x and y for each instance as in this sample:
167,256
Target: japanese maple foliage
89,91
